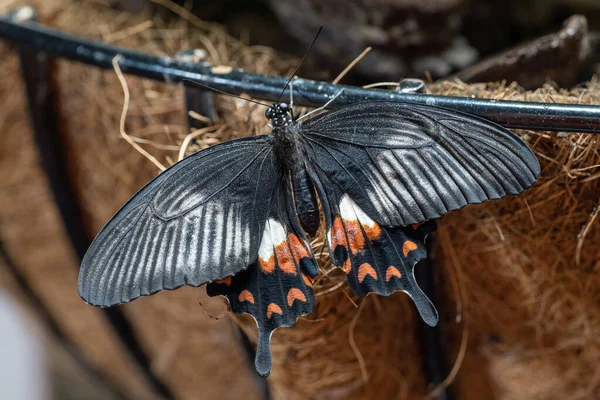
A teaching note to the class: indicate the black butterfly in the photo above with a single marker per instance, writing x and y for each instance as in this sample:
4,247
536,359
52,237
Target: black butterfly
234,215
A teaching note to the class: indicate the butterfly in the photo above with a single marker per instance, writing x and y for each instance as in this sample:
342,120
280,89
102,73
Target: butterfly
237,216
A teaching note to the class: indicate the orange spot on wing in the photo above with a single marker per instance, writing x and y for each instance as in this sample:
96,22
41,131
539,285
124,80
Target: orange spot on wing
295,294
273,308
347,267
373,232
245,295
355,236
408,246
285,259
392,271
226,281
299,249
307,280
365,270
338,235
416,226
267,266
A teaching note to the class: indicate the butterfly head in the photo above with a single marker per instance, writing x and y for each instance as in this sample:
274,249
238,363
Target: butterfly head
280,115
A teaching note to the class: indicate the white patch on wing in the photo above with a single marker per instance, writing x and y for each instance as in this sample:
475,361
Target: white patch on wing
382,191
350,211
346,209
363,218
246,241
194,244
206,232
379,206
230,231
238,239
273,235
217,218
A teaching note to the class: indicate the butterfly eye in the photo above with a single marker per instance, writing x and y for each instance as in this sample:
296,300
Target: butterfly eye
269,113
284,107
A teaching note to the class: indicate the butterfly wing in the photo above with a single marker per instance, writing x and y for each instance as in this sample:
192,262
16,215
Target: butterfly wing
406,163
377,259
199,221
276,289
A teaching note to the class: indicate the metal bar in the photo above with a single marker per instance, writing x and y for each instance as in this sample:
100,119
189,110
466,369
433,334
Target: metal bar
43,113
199,100
46,316
202,102
515,114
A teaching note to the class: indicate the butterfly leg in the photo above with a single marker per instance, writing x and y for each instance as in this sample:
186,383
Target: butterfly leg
324,106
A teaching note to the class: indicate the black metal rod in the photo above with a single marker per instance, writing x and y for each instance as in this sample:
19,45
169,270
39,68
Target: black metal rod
199,100
63,339
202,102
43,113
515,114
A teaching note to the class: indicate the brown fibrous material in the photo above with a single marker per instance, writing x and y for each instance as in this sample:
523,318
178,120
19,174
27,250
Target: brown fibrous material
519,276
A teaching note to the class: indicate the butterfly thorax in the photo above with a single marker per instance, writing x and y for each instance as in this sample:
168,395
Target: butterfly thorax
285,135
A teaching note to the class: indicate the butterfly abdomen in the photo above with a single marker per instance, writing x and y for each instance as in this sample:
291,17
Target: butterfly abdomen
305,200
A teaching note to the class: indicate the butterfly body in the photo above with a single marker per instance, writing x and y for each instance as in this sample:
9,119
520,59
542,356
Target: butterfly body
305,199
285,137
235,216
294,161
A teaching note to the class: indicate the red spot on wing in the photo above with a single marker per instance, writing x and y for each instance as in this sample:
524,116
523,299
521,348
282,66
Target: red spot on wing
299,249
267,266
295,294
226,281
416,226
391,272
245,295
273,308
408,246
366,270
285,259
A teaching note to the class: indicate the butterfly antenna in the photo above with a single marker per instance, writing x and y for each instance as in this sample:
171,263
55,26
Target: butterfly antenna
225,93
301,61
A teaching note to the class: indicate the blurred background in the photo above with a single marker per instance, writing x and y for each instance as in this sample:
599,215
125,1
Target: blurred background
517,278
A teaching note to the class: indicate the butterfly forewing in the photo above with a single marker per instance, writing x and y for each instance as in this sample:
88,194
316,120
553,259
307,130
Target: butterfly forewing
199,221
276,289
404,163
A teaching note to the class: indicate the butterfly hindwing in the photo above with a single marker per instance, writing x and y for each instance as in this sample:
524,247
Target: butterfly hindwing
377,259
276,289
198,221
407,163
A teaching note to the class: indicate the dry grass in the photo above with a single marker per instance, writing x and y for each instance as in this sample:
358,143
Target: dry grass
529,266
